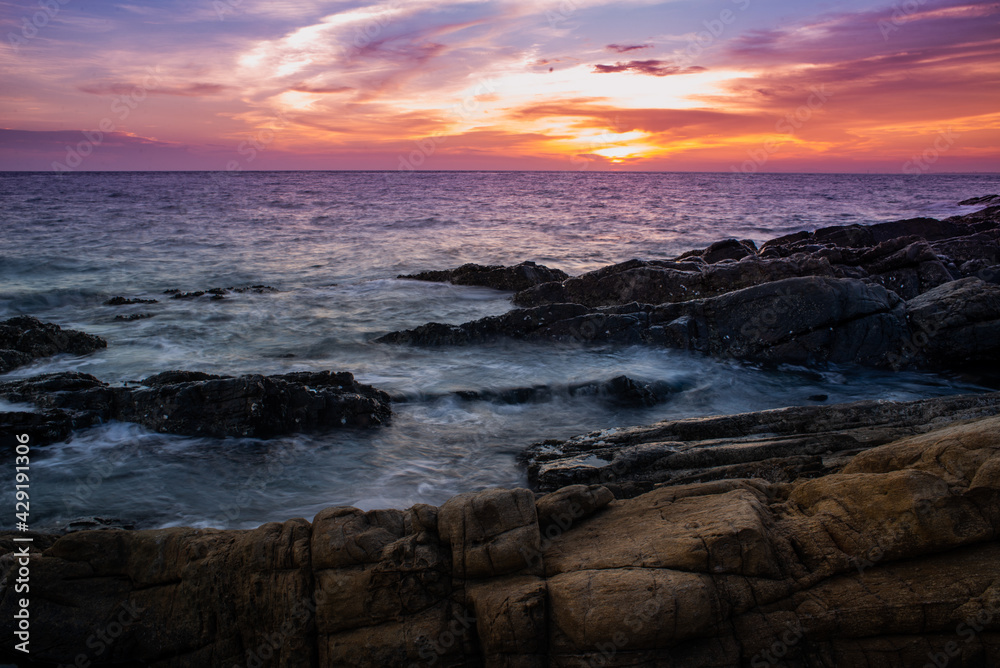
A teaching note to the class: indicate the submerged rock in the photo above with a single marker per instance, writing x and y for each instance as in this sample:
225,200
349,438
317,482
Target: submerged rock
125,301
976,201
198,404
23,339
878,563
620,390
498,277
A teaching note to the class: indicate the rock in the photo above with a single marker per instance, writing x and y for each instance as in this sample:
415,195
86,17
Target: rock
660,283
198,404
568,506
889,559
491,533
955,326
798,320
133,316
976,201
24,338
42,427
728,249
775,445
498,277
621,390
123,301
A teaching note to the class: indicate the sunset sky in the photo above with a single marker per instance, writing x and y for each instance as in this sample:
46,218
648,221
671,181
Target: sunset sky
713,85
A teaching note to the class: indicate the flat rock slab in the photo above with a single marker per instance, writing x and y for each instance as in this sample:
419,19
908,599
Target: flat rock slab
200,404
778,445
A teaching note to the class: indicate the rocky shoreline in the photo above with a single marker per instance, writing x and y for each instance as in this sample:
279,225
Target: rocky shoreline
860,534
920,294
889,560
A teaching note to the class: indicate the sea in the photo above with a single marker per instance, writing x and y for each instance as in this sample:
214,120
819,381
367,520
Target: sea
332,244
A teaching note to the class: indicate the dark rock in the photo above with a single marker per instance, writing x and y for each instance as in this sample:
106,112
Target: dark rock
955,326
620,390
24,338
659,283
255,289
773,444
177,377
798,320
976,201
42,427
123,301
498,277
133,316
727,249
188,295
197,404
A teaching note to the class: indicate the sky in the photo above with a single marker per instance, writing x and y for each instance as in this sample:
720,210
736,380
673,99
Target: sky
683,85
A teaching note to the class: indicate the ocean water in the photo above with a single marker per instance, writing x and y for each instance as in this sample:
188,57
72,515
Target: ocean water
332,244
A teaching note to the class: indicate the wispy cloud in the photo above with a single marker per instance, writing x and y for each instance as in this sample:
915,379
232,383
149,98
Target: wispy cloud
656,68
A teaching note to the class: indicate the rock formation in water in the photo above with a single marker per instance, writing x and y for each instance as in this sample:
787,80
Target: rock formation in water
198,404
918,293
23,339
517,277
889,559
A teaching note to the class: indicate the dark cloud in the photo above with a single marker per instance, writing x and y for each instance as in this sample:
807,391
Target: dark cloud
656,68
620,48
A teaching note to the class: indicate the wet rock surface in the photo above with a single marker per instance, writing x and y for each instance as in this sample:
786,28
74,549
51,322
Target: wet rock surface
620,390
516,277
882,561
199,404
892,295
23,339
778,445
